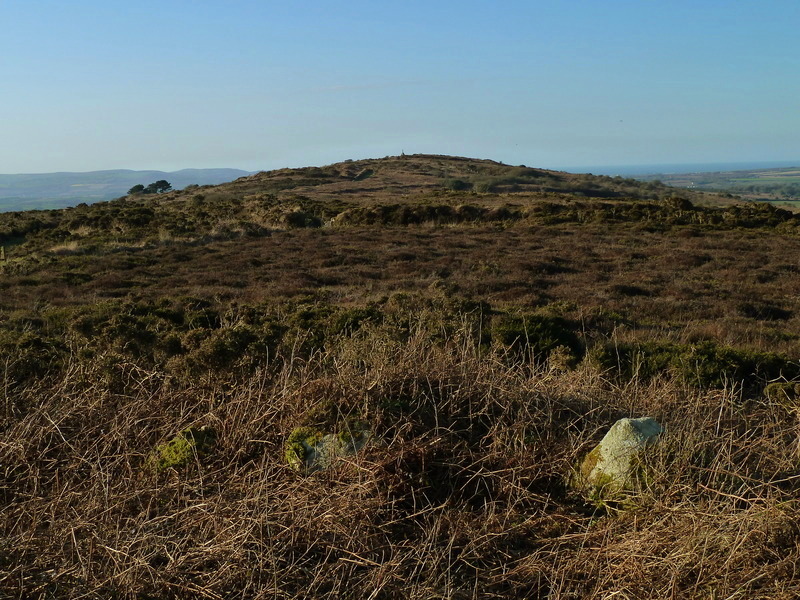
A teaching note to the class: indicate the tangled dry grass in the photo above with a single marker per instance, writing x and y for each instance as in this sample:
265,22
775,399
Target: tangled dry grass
124,325
464,496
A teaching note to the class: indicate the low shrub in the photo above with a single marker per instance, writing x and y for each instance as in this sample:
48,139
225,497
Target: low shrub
536,334
786,393
457,185
705,364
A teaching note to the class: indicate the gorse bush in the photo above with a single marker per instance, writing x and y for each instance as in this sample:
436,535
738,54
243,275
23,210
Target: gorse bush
441,214
536,334
30,355
191,337
704,364
457,185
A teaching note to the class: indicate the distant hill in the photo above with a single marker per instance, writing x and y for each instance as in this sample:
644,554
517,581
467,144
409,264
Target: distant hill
392,191
59,190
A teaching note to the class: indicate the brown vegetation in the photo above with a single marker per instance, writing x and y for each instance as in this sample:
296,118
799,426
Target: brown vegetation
465,497
158,354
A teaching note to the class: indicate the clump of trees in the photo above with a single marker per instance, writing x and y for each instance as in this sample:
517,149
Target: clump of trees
157,187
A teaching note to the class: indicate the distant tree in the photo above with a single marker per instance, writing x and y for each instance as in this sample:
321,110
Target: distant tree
137,189
162,185
157,187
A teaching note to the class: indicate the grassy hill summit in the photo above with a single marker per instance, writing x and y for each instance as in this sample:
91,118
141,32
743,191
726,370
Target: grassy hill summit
452,336
391,191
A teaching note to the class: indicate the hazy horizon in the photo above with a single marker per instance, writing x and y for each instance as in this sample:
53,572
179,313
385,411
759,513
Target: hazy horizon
258,86
672,168
124,169
626,170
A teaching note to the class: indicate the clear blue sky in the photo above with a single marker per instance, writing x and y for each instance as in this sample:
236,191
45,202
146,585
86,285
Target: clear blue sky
89,85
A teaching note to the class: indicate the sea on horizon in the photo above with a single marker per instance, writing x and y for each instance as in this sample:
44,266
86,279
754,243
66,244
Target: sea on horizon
670,169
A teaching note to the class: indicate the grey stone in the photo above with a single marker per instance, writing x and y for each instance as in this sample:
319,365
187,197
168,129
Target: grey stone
309,451
611,467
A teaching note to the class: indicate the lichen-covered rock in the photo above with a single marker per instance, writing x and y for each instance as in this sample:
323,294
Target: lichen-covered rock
612,466
309,450
785,393
186,447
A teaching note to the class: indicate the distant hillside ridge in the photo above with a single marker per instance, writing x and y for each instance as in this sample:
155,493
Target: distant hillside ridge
392,191
59,190
417,177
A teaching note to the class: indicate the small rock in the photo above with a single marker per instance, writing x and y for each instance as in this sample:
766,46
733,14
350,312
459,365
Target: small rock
309,450
787,394
611,467
184,448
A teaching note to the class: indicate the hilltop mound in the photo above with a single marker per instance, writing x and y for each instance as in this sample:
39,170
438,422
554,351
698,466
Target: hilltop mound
411,177
394,190
390,178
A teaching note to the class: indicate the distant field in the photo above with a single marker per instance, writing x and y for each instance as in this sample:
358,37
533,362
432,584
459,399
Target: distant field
769,185
794,172
772,179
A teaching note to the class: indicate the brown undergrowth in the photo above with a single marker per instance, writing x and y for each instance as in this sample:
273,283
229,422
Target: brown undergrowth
487,324
463,495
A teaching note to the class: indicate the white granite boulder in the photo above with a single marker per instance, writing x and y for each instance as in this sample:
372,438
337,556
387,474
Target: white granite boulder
612,466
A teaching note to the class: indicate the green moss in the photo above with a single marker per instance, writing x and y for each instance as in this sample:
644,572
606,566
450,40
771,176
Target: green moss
589,462
604,489
299,443
354,435
192,443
